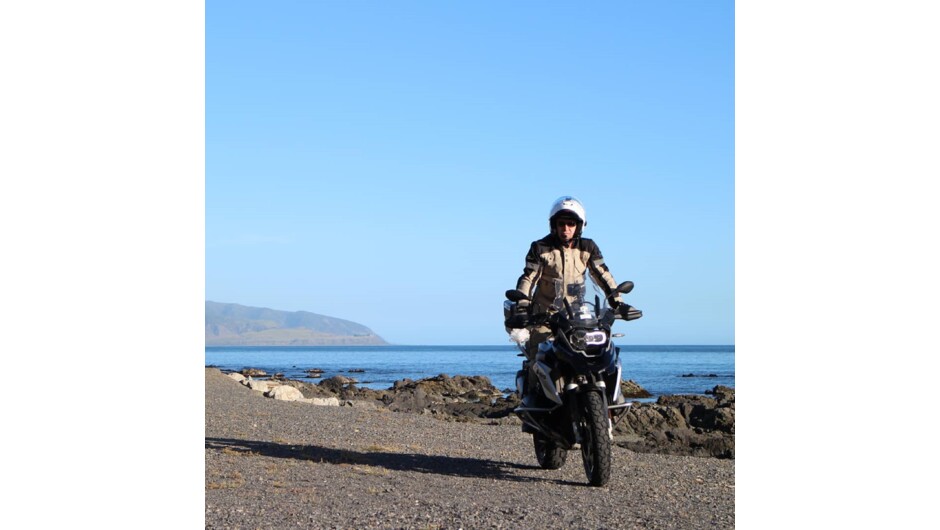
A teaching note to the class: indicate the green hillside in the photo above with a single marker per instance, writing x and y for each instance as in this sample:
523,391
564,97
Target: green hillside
239,325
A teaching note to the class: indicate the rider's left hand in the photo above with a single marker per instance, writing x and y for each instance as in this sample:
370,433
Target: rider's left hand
628,312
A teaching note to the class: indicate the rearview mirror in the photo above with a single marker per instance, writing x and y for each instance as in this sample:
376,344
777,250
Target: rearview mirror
624,288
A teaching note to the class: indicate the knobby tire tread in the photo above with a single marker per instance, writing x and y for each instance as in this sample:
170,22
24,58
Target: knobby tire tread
548,453
595,450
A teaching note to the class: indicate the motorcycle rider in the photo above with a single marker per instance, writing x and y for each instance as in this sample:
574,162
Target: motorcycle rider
555,267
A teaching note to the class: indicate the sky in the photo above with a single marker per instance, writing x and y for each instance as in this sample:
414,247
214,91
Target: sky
389,163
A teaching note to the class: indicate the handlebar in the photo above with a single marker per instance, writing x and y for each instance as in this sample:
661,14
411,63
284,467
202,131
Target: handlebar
521,321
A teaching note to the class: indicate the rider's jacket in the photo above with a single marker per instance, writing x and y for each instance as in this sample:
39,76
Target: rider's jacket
551,268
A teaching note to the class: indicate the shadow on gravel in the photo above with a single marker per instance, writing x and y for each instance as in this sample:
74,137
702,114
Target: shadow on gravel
439,465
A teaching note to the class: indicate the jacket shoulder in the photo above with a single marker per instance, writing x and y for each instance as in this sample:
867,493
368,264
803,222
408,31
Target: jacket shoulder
589,245
544,244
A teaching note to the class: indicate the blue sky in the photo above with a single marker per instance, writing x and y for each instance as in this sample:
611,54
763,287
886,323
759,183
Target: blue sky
390,162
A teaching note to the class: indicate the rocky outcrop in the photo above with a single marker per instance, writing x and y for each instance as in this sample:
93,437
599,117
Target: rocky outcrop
682,425
631,390
459,397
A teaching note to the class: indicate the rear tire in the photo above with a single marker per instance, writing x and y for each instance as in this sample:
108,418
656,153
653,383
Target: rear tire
595,439
549,454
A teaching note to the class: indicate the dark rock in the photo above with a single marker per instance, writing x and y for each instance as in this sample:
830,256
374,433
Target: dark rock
681,425
337,383
723,393
401,384
630,389
253,372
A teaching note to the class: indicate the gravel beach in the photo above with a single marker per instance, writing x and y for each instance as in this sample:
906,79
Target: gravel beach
280,464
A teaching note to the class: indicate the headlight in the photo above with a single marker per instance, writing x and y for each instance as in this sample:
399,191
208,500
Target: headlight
581,339
595,338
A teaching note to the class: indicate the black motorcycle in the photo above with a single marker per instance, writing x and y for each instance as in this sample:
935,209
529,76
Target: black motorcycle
578,376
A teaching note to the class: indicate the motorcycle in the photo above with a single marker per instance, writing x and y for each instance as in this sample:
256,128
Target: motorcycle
577,373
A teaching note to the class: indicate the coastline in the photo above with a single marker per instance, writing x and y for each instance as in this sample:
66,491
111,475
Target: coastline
659,369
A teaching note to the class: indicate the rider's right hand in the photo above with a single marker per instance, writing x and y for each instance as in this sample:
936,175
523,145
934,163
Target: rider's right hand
518,320
520,315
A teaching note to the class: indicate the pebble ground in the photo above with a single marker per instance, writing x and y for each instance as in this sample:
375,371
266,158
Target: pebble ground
278,464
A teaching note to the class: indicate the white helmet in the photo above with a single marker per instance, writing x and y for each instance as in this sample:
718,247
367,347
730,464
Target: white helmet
571,205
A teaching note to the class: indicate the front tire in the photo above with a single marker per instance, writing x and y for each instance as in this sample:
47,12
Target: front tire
595,439
549,454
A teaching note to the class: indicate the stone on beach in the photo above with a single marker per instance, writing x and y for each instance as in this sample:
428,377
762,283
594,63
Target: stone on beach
285,393
261,386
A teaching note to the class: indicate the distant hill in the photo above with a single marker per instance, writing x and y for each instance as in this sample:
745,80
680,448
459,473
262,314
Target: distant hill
239,325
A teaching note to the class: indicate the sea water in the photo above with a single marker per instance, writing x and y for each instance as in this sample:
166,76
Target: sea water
661,370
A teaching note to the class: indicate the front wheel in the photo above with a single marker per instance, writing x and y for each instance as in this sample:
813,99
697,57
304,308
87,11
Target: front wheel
595,439
549,454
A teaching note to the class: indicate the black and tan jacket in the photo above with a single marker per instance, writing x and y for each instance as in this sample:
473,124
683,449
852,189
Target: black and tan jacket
549,264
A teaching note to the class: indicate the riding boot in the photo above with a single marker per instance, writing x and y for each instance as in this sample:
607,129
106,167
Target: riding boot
531,389
527,392
523,384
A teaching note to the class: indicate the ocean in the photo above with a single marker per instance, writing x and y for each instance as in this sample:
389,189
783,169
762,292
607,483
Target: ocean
661,370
